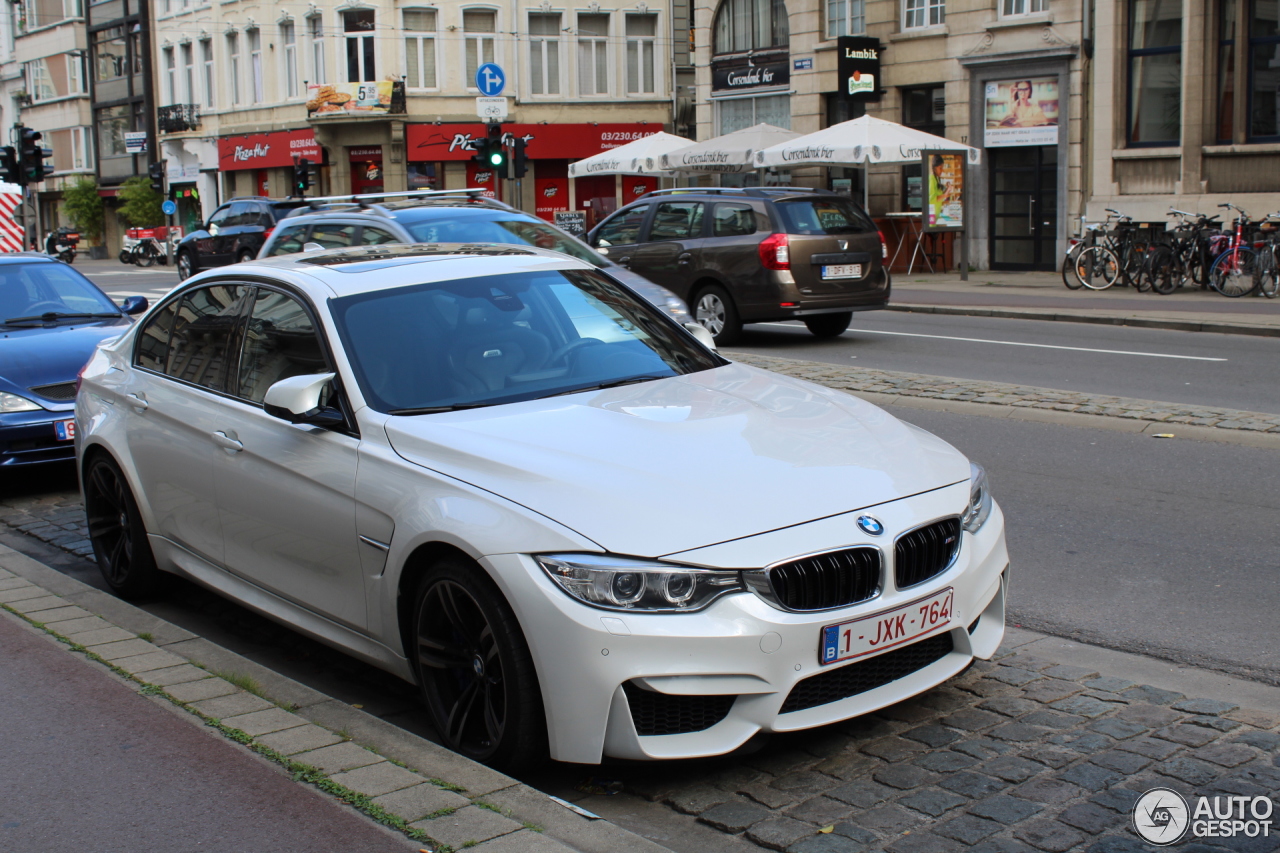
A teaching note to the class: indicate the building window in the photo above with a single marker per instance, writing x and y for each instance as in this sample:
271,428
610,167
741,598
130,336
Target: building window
113,123
75,75
315,34
1015,8
170,76
846,18
39,83
641,65
188,73
289,39
1258,76
1155,72
739,113
256,84
743,25
919,14
544,54
206,56
110,54
478,27
81,150
358,27
420,48
593,54
233,52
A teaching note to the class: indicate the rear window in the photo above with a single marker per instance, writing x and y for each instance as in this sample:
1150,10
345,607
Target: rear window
823,216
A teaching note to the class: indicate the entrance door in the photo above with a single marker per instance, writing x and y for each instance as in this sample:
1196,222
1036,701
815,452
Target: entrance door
1024,207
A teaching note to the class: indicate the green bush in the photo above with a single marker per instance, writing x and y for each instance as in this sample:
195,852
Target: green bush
84,207
139,204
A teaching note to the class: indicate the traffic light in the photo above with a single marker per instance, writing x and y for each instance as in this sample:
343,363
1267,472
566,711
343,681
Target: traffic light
494,155
519,163
156,172
31,157
301,177
9,169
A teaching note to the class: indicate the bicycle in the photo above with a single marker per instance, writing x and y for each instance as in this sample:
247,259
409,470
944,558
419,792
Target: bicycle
1268,272
1118,257
1234,272
1185,257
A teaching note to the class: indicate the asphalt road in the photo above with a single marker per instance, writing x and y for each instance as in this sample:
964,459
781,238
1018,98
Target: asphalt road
1234,371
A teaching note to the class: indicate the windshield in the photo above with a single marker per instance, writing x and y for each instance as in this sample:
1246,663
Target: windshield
505,338
531,231
34,290
824,216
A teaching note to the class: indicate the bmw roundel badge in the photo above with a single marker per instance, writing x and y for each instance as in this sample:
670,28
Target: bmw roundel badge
870,525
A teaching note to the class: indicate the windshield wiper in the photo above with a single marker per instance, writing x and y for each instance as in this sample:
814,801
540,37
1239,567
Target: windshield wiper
616,383
431,410
50,316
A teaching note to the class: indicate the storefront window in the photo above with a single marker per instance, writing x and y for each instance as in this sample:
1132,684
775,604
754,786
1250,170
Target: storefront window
1155,72
923,108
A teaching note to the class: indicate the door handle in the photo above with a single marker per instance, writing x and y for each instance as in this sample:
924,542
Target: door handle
1031,207
138,403
226,442
683,258
624,261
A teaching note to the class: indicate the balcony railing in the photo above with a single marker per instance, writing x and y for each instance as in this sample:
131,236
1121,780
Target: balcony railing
176,118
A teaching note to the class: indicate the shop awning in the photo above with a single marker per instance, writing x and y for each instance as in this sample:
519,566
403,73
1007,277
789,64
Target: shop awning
629,159
733,152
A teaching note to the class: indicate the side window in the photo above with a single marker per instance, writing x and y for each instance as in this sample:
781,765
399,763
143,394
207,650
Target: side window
202,332
241,214
676,220
261,215
623,228
371,236
219,219
153,338
280,342
333,236
291,240
733,220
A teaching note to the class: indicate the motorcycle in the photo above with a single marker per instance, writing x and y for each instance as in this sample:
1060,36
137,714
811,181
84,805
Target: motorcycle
62,244
142,246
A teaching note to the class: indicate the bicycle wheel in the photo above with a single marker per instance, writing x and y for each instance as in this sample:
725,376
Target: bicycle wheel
1232,273
1269,273
1131,264
1068,268
1141,277
1097,268
1164,271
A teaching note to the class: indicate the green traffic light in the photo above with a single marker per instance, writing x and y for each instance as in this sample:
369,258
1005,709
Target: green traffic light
497,158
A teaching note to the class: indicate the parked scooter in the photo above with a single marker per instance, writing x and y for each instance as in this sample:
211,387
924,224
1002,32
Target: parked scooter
61,243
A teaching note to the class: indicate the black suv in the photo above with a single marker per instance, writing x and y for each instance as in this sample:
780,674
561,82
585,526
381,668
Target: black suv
234,233
752,255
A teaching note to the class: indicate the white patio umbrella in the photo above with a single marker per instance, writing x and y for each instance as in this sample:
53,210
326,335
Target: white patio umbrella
733,152
858,142
629,159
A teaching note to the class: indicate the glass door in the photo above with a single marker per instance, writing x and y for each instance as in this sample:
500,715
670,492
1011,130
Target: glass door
1024,207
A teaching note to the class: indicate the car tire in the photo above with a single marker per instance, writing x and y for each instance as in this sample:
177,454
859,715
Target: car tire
116,531
245,256
828,325
474,668
186,266
714,310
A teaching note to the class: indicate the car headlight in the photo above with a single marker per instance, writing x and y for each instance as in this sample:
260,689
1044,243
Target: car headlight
14,403
623,583
979,508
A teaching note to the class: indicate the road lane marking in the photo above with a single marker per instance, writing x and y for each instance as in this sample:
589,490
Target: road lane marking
1016,343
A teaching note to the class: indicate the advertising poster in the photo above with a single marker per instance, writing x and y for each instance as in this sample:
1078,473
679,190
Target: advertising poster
347,98
858,67
944,177
1021,112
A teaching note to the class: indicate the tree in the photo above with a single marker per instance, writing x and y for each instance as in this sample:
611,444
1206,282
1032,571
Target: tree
84,207
139,204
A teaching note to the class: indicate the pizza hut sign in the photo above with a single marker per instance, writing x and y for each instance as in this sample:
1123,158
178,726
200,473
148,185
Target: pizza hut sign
267,150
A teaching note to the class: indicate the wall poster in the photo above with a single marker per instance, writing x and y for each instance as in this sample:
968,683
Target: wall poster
1021,112
944,204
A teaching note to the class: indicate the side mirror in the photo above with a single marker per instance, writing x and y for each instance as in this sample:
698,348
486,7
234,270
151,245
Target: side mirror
704,337
297,400
134,305
312,246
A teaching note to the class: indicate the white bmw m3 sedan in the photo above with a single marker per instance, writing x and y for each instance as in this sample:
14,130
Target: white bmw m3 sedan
500,474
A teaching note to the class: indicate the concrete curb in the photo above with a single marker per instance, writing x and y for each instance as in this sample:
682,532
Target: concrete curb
1105,320
454,801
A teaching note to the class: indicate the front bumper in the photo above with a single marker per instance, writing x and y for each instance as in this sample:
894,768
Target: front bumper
29,438
742,656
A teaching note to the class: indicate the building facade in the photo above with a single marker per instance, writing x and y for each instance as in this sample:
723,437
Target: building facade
382,95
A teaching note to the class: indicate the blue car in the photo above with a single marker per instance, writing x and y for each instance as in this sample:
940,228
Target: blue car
51,320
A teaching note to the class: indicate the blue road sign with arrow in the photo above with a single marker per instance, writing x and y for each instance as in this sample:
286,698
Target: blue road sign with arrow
490,79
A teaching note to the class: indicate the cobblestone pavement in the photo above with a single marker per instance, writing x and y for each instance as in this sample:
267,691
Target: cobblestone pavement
1014,756
863,379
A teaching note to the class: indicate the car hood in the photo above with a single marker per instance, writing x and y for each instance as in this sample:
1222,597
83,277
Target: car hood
680,463
31,357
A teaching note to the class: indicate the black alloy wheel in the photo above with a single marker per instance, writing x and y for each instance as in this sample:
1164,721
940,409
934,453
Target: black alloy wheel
117,533
474,666
186,268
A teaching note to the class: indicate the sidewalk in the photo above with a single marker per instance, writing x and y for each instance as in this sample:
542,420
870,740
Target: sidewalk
1042,296
123,732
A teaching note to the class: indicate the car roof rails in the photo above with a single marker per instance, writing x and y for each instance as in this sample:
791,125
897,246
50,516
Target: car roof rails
755,192
361,199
